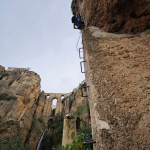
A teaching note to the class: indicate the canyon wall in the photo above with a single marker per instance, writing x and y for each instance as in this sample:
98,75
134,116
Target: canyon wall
19,97
123,16
25,111
118,75
77,105
117,70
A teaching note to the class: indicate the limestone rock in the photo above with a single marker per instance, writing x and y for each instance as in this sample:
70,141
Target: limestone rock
80,105
40,108
19,91
37,129
123,16
118,75
2,68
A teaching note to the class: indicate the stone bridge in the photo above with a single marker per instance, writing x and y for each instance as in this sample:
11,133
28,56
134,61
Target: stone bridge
48,105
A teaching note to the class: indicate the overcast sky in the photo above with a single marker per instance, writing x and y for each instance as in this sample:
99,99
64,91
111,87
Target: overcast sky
39,34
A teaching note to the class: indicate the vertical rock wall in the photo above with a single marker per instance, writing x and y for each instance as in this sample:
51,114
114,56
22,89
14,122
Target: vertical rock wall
19,93
122,16
118,75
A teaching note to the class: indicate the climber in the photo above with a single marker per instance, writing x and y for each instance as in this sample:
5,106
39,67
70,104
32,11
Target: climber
77,21
74,20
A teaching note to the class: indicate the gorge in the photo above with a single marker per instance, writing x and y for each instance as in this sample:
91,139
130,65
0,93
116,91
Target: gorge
115,96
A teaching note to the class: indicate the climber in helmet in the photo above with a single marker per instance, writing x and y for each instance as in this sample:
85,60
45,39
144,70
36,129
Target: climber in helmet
76,20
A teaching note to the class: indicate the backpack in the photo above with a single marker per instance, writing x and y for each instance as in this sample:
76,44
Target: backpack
73,19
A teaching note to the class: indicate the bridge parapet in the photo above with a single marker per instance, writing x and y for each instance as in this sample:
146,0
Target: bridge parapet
14,68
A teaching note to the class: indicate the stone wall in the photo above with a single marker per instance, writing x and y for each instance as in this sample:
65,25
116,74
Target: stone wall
14,68
48,104
69,131
72,103
118,74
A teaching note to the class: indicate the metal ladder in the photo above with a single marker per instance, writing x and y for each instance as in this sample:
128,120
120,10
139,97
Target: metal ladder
90,141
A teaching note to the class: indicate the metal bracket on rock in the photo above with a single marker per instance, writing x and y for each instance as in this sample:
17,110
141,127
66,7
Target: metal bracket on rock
80,53
84,87
81,66
91,141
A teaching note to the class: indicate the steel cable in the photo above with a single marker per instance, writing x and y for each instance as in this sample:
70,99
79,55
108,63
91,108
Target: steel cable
78,41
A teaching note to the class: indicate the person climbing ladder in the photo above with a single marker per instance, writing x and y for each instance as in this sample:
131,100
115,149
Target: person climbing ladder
77,21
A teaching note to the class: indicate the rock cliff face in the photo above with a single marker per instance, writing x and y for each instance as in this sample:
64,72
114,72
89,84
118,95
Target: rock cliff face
22,108
123,16
77,105
117,72
41,104
19,92
80,107
118,75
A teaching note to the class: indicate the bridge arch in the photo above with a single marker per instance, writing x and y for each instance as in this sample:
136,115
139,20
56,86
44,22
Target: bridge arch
53,107
62,97
49,98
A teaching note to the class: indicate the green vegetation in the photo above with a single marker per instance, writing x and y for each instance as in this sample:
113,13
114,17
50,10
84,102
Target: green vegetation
7,97
84,133
88,109
71,99
45,97
80,111
37,126
73,6
3,74
83,86
11,122
53,112
10,83
70,103
42,123
54,136
63,100
14,142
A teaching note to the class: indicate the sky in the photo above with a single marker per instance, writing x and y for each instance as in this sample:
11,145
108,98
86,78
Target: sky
39,34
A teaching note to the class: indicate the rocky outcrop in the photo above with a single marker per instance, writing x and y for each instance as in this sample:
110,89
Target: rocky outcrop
37,129
40,107
19,92
118,74
77,105
80,106
117,71
10,136
2,69
122,16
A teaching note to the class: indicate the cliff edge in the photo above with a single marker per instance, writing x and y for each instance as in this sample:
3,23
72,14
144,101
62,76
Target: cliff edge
117,68
121,16
19,97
